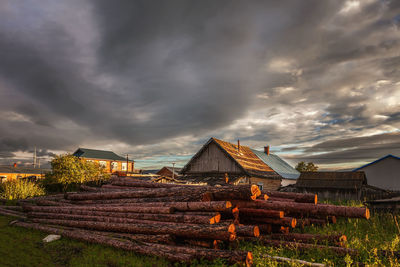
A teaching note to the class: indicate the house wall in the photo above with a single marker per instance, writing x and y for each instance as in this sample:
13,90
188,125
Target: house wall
286,182
212,159
384,174
333,194
13,176
267,184
131,166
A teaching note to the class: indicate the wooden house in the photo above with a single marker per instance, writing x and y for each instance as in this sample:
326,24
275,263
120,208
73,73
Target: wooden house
383,173
8,173
218,162
112,162
169,172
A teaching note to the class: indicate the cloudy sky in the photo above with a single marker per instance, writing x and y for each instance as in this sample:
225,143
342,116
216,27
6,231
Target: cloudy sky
317,80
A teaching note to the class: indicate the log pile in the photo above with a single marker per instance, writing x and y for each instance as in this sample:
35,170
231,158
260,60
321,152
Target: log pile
184,222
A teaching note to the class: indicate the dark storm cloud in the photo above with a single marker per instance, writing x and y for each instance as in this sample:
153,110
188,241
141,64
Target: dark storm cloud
157,77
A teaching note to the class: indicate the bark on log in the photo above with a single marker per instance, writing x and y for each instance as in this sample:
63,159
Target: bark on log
305,246
139,200
12,213
141,248
175,218
285,221
143,184
143,209
44,202
247,230
243,192
336,239
261,213
189,231
232,192
306,209
14,208
297,197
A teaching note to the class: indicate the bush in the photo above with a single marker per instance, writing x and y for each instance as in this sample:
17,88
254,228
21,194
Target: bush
20,189
69,170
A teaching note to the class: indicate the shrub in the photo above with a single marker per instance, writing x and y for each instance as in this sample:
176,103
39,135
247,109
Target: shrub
68,169
20,189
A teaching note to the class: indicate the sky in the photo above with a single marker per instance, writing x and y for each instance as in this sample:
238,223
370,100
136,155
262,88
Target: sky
316,80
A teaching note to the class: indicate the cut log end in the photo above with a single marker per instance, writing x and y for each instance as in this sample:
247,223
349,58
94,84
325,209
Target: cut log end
249,259
228,204
256,231
293,223
255,192
215,219
266,197
232,237
316,199
281,214
367,214
231,228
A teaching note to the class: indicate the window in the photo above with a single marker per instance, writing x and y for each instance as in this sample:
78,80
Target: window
124,166
260,185
114,165
103,163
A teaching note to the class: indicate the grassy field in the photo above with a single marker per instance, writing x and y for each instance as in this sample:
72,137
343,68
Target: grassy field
22,247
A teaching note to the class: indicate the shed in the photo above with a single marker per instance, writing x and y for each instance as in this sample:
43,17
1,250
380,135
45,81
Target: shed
383,173
333,185
168,171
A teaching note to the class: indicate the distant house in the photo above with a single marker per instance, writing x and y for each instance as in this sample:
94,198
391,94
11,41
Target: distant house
168,171
8,173
241,164
112,162
383,173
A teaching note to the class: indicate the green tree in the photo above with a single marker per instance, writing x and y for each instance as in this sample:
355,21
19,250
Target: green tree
309,167
68,169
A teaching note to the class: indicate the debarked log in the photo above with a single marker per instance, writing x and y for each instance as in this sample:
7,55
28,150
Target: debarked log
191,231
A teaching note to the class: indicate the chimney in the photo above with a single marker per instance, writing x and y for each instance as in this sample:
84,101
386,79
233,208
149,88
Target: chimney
15,165
238,146
266,150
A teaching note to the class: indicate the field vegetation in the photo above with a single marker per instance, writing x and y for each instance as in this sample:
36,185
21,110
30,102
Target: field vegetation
22,247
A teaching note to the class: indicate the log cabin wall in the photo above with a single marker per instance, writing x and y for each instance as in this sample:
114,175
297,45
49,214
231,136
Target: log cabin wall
212,160
265,183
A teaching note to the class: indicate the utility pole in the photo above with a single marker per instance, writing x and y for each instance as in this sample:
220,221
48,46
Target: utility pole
173,170
34,158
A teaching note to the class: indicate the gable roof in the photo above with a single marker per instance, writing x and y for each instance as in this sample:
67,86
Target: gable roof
176,170
375,161
251,161
332,180
97,154
278,165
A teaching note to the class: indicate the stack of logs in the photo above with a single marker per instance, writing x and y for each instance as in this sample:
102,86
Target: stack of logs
184,222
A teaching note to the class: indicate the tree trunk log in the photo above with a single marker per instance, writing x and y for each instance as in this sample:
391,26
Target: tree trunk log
138,200
306,209
232,192
175,218
141,248
143,209
336,239
189,231
12,213
261,213
297,197
304,246
44,202
285,221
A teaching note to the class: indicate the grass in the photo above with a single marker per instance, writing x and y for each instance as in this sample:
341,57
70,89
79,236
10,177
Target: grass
22,247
